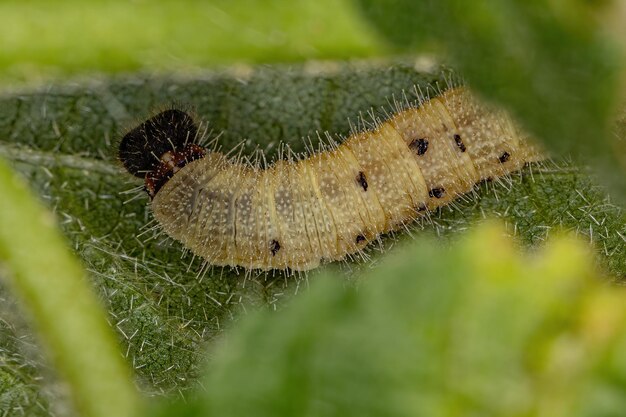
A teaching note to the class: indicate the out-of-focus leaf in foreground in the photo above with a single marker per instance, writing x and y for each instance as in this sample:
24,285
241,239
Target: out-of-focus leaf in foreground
62,140
55,294
553,63
475,329
44,40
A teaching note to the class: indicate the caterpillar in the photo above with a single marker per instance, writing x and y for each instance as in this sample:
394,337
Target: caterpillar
298,213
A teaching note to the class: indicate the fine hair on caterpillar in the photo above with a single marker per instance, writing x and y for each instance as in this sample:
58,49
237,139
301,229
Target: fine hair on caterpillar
303,210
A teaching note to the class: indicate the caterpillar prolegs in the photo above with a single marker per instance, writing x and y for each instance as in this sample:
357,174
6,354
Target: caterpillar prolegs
301,212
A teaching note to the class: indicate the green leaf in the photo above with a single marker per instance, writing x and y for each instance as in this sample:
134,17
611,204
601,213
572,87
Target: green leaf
474,329
62,140
55,293
182,35
552,63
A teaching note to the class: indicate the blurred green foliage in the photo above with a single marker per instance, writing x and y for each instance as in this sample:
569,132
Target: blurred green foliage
475,329
43,39
50,281
333,350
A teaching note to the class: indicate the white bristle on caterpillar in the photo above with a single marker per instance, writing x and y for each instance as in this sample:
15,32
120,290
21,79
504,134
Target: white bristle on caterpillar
301,212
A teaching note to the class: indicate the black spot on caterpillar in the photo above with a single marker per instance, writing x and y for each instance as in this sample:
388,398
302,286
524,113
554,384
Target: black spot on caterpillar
362,180
437,192
298,213
274,247
459,142
419,145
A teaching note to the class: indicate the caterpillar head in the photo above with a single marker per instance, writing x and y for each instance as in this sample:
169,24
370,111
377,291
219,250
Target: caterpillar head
159,147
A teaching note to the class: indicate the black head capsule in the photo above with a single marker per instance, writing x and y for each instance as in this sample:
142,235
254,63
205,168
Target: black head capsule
159,147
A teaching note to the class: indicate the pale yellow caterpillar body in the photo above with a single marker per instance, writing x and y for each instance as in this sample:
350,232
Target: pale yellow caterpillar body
301,212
